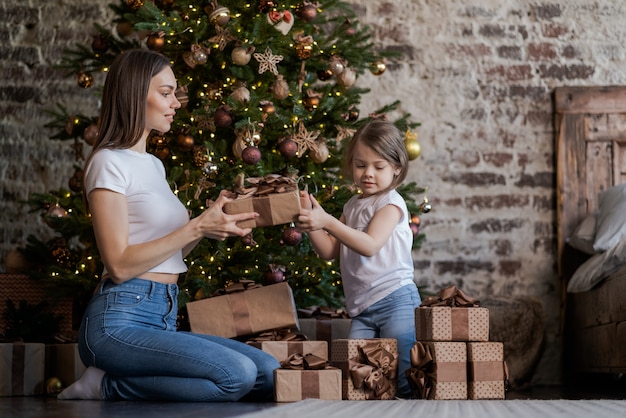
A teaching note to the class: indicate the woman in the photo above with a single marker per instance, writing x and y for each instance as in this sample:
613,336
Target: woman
128,337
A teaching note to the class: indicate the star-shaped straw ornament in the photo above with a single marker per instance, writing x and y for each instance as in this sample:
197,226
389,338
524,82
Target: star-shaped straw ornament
267,61
306,140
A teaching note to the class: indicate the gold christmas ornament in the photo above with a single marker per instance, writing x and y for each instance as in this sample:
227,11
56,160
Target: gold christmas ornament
220,16
378,67
53,386
319,154
347,78
241,94
134,4
241,55
280,88
156,41
413,147
267,107
85,80
185,141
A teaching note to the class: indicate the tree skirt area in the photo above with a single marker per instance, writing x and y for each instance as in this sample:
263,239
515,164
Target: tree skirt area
314,408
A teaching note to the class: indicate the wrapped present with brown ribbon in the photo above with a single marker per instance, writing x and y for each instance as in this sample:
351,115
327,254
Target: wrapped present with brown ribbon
438,370
282,350
487,372
306,377
64,363
275,198
325,329
369,367
246,312
22,369
451,316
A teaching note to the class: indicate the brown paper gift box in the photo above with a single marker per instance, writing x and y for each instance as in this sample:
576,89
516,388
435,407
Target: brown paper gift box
22,369
274,209
18,287
487,373
296,385
343,350
64,363
325,329
443,323
281,350
446,375
244,313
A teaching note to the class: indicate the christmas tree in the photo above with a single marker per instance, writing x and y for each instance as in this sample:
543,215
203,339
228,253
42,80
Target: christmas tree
267,89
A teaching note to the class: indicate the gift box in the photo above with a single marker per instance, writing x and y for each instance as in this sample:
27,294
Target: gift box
20,287
487,373
275,198
325,329
369,367
22,369
246,312
282,350
297,385
438,370
451,316
64,363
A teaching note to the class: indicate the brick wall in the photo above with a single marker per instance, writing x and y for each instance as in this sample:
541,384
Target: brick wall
478,74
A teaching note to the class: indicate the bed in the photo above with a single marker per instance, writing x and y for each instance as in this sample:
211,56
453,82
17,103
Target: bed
590,125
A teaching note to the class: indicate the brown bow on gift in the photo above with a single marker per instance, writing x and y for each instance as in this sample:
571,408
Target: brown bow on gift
322,312
421,375
260,186
304,362
240,286
374,370
451,296
278,335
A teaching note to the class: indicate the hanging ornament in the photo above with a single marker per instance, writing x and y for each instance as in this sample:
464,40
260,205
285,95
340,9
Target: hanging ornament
200,157
319,153
282,21
157,141
85,80
336,64
16,262
238,146
248,240
241,55
156,40
60,252
347,78
198,55
378,67
100,44
54,214
124,28
308,11
218,15
413,147
241,94
134,4
223,116
343,133
165,4
280,88
324,75
185,141
209,169
416,219
275,274
266,5
312,100
267,107
75,183
251,155
267,61
162,152
415,228
292,236
425,207
287,148
90,134
351,115
304,139
304,46
53,386
222,37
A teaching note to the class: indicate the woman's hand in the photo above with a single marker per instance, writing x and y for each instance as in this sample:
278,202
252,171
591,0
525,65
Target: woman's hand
216,224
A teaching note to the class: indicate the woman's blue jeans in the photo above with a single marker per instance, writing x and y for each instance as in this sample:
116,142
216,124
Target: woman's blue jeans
392,317
129,331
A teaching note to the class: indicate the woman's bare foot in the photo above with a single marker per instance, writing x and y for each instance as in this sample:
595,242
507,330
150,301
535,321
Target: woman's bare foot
87,387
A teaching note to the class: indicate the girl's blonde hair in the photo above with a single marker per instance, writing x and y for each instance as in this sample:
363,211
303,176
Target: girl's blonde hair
386,140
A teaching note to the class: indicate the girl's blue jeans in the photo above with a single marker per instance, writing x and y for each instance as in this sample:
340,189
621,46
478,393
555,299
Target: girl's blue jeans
129,331
392,317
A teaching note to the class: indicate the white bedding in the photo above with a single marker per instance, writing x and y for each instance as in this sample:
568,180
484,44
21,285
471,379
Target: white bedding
597,268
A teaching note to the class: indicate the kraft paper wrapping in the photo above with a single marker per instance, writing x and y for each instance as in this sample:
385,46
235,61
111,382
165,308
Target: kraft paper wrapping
439,370
325,329
343,350
487,372
282,350
244,313
22,369
63,362
442,323
297,385
274,209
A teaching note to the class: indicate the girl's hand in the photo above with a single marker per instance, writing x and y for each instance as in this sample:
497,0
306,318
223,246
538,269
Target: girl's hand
314,218
216,224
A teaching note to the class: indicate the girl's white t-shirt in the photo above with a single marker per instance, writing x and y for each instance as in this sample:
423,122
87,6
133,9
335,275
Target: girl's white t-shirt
153,209
366,280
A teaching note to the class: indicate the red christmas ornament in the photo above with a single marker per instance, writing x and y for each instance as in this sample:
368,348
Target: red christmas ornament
222,117
308,12
251,155
288,148
185,141
415,228
292,236
100,44
275,274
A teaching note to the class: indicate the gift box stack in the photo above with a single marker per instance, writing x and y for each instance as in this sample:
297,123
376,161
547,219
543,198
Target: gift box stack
324,324
453,357
369,367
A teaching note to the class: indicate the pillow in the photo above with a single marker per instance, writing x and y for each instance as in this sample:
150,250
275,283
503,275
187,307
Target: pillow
611,222
584,235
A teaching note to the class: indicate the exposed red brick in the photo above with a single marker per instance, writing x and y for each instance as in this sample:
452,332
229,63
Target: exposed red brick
470,50
497,225
498,159
474,179
467,158
566,72
510,73
509,268
492,31
553,30
532,92
541,51
547,11
497,202
538,117
462,266
501,247
543,203
545,179
510,52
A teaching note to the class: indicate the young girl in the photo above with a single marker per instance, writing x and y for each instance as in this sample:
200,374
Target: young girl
128,337
373,241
